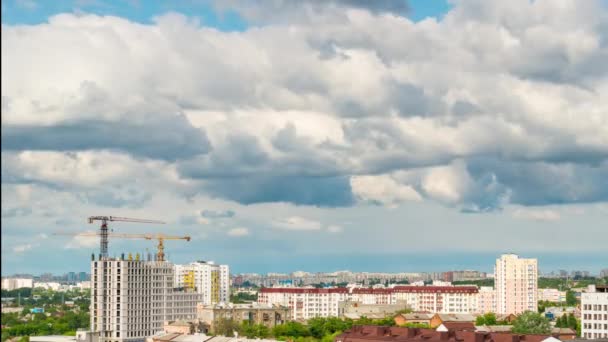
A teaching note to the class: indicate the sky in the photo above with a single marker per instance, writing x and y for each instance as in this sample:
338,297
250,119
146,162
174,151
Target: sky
395,136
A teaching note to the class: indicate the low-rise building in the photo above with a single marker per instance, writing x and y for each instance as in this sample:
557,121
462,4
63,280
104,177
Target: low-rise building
413,318
439,319
399,334
255,313
552,295
356,310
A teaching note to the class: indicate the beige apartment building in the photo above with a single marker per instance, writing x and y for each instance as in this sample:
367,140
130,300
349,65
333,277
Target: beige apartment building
516,284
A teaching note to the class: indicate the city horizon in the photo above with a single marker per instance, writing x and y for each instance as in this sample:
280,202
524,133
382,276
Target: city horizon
368,263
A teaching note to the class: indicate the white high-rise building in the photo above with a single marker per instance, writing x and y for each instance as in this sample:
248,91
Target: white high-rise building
207,278
130,299
16,283
516,284
594,312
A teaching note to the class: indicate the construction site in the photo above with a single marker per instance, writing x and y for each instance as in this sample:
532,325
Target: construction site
133,295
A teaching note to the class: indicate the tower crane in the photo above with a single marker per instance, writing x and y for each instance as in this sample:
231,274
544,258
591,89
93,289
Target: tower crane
160,255
103,230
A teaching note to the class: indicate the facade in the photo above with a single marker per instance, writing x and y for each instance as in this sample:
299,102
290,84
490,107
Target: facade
438,299
356,310
413,318
594,312
516,284
16,283
212,281
131,299
447,319
268,315
486,300
552,295
306,303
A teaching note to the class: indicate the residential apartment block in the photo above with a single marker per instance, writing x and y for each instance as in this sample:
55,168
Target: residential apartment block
594,312
130,299
306,303
516,284
207,278
16,283
552,295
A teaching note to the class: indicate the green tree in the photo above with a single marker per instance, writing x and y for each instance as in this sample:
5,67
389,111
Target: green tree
531,323
480,320
225,327
570,298
490,318
290,329
572,322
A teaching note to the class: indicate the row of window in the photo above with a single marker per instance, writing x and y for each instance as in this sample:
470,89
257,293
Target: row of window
597,307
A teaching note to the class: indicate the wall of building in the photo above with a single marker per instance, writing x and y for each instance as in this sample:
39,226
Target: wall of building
594,312
516,284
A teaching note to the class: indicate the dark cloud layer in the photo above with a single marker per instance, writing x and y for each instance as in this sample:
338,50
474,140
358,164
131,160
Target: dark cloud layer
160,139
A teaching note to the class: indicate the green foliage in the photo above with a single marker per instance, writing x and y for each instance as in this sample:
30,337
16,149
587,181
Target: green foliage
25,293
321,326
253,330
571,298
531,323
243,297
567,321
225,327
290,329
486,319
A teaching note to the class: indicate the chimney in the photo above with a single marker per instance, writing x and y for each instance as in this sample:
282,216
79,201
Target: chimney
515,338
445,335
480,337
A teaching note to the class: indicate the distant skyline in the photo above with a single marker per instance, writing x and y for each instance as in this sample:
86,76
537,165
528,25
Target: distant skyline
313,135
385,263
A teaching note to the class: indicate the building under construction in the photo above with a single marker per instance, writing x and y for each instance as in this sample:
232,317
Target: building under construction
132,297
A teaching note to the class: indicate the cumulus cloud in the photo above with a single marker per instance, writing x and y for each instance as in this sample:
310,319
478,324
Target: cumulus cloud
495,104
237,232
334,228
383,189
297,223
537,214
83,241
23,248
217,214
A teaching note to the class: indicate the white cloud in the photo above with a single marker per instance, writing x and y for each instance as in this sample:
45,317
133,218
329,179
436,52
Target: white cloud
297,223
537,214
447,184
500,103
383,189
23,248
335,228
83,241
237,232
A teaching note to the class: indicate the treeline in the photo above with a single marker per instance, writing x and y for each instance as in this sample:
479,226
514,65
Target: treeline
323,329
59,323
243,297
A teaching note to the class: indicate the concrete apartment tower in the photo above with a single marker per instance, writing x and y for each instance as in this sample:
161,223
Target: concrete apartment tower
516,284
594,313
131,299
209,279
